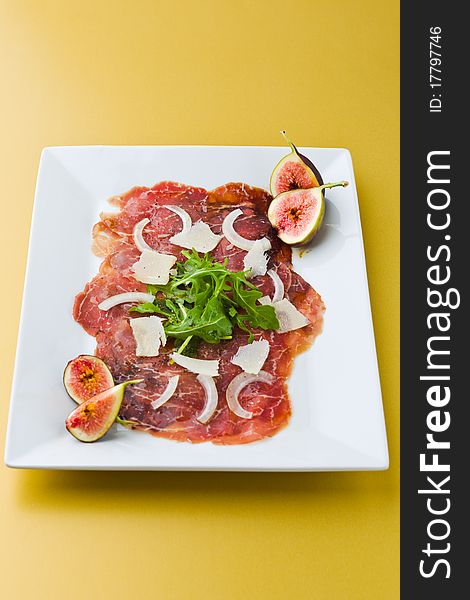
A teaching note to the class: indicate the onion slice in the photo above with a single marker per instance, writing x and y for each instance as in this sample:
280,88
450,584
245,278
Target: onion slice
167,392
197,365
125,298
212,397
278,286
138,235
182,214
237,384
232,236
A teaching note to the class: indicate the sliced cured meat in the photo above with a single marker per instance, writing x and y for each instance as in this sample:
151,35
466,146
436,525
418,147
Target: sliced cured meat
106,284
177,418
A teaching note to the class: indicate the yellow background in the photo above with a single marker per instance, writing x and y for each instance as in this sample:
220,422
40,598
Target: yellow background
202,72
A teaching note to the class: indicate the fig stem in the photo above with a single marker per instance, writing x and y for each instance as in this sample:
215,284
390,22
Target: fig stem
125,383
125,421
284,135
332,185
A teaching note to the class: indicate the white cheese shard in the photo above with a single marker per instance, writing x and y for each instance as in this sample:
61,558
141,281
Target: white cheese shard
199,236
149,335
197,365
251,358
288,316
154,267
256,258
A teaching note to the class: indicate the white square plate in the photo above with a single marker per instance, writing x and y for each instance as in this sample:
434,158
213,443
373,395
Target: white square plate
337,421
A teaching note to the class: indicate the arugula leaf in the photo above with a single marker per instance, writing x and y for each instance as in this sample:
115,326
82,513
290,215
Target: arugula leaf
205,301
208,322
256,314
147,307
188,347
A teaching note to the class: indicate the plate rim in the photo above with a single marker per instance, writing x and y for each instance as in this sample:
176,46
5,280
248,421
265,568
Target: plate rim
16,462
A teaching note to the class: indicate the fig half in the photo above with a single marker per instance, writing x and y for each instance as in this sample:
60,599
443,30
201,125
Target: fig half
85,377
93,418
294,172
297,215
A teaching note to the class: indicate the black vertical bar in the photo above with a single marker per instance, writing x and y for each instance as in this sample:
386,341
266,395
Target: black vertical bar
433,119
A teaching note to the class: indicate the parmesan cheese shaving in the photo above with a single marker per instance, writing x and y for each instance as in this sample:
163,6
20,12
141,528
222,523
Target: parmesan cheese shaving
197,365
154,267
256,258
252,357
288,316
199,236
149,335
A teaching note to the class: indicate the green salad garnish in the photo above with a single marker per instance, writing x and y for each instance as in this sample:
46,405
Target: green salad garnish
205,301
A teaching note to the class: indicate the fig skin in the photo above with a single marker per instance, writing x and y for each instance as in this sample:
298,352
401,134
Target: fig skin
312,167
286,210
86,376
92,419
307,173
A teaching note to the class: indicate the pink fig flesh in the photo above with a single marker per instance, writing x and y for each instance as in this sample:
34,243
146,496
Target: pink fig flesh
292,176
85,377
92,419
297,215
293,172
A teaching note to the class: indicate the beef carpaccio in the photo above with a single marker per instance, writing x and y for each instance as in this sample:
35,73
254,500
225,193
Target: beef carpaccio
176,420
